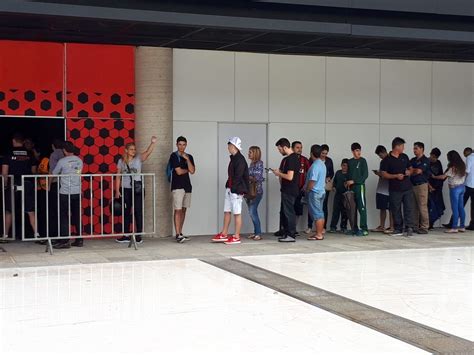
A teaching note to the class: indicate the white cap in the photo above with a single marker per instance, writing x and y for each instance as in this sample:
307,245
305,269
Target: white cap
236,141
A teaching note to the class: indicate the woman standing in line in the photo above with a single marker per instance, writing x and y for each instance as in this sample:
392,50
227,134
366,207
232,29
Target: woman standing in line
256,176
131,163
456,174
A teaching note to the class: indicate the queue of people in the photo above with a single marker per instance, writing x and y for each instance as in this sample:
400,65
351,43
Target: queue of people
409,192
408,196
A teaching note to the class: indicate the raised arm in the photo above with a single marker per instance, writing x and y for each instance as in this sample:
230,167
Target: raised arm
146,154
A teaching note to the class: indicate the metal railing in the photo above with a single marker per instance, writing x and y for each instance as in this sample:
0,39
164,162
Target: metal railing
8,208
52,214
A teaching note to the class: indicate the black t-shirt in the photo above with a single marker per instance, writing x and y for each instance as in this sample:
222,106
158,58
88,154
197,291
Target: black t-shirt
393,165
436,170
19,162
291,162
180,181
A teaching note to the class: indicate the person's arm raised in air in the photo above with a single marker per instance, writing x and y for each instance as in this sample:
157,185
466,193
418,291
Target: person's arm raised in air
146,154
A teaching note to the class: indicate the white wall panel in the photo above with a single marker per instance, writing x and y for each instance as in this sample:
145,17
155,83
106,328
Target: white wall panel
251,87
308,134
405,92
203,85
297,89
411,134
339,137
419,101
452,93
202,145
353,90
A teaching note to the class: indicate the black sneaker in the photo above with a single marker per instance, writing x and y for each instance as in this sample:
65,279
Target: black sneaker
278,233
409,233
62,245
422,231
139,240
123,240
396,233
447,225
287,239
79,242
184,237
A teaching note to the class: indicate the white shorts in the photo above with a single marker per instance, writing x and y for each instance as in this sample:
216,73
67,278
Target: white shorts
233,202
181,199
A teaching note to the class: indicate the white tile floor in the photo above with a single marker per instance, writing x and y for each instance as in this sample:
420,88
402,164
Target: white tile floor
430,286
162,307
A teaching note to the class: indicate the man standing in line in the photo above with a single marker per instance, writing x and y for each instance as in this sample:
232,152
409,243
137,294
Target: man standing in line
329,176
288,173
69,196
420,174
316,191
18,163
382,196
396,169
181,188
304,167
358,173
237,186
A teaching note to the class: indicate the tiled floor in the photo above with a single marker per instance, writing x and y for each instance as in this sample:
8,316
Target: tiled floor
162,307
434,287
106,297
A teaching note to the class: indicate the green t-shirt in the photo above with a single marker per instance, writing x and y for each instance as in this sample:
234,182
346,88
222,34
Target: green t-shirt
358,170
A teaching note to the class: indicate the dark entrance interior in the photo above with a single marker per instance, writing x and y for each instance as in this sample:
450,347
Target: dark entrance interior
42,131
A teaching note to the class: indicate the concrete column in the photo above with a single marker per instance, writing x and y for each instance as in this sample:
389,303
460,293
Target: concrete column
154,116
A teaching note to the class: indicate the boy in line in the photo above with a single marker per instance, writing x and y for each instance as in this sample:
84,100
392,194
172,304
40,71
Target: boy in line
316,191
182,164
237,186
382,196
340,180
358,173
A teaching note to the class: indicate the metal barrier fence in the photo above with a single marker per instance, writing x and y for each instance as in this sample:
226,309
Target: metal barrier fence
50,207
7,205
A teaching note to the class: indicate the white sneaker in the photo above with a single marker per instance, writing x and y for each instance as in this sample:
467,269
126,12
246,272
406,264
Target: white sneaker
308,231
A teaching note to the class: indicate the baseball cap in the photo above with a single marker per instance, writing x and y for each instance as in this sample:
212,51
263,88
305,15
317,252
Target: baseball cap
236,141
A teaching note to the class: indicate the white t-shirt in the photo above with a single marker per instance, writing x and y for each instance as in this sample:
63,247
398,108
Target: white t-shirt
454,179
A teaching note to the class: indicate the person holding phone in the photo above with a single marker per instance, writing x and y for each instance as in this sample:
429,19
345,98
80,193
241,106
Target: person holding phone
396,169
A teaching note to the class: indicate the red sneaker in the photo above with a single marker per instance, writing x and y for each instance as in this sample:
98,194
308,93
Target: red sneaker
220,238
232,240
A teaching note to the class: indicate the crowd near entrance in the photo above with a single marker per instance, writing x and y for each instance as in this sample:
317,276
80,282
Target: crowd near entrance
39,132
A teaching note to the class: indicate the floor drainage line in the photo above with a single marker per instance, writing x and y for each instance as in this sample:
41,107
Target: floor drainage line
434,340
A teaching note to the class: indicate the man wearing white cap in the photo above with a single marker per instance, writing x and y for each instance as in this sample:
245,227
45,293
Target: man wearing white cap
237,186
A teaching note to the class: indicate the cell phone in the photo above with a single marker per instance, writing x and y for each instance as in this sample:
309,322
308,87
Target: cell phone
268,169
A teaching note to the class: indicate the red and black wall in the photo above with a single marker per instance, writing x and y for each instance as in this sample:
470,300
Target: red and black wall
91,87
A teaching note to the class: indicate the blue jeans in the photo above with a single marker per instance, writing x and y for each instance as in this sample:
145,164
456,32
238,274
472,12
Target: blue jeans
456,195
253,210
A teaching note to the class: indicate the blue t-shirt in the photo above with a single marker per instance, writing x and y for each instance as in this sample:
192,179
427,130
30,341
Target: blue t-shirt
317,173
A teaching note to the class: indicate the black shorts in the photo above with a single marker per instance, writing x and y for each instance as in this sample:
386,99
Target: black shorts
382,202
29,198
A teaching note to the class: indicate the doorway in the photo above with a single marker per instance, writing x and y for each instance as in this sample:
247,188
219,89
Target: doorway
250,134
42,131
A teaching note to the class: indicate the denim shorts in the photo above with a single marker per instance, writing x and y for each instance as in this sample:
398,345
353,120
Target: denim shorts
315,204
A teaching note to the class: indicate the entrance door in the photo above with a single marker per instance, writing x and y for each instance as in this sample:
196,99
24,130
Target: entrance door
250,134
